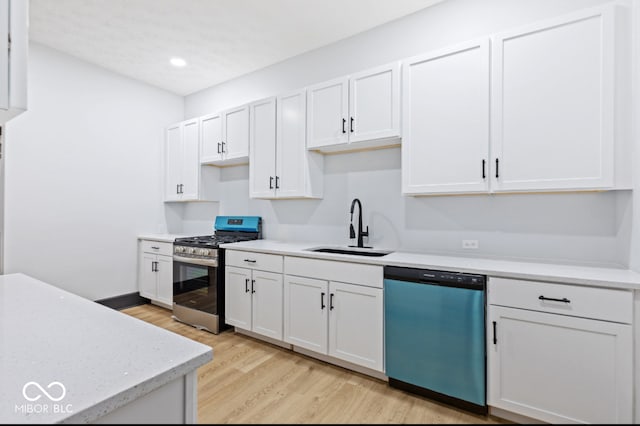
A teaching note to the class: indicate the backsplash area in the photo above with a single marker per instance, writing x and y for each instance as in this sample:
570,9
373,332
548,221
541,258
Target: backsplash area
589,227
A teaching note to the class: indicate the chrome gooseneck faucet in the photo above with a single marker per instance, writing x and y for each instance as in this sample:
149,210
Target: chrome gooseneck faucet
361,233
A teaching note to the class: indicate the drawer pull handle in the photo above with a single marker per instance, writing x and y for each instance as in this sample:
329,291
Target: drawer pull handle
563,300
155,248
250,260
246,285
322,305
495,335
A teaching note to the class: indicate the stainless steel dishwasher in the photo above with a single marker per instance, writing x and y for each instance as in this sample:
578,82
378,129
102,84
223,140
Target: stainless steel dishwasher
435,335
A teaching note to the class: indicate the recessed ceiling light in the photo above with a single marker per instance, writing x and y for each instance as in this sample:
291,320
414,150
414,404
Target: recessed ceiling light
178,62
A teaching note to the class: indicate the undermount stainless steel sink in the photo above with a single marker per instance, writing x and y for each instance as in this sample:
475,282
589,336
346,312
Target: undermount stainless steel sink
357,251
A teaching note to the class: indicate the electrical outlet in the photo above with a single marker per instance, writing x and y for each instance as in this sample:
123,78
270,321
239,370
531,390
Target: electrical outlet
469,244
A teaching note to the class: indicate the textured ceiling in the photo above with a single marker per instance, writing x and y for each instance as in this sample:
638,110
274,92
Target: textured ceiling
219,39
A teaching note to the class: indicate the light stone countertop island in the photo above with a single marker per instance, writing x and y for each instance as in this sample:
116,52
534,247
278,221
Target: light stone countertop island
66,359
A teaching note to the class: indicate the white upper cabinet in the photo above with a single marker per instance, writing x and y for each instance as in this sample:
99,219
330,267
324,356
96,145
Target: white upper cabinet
299,173
14,17
328,110
235,144
445,147
185,178
190,160
553,104
225,137
262,152
211,148
356,112
534,110
280,165
173,162
374,104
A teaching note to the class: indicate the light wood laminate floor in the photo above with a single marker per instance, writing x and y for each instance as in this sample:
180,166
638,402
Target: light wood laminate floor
250,381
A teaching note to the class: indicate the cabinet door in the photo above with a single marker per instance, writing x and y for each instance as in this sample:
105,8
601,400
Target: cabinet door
306,307
291,149
445,144
374,103
236,133
147,276
164,277
356,324
211,138
559,369
237,297
327,112
173,162
262,152
553,104
191,160
267,304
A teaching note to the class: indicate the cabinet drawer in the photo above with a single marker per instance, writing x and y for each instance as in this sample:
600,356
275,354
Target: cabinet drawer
587,302
148,246
328,270
248,259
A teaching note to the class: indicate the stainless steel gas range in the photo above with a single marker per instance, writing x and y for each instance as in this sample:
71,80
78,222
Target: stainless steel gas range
198,271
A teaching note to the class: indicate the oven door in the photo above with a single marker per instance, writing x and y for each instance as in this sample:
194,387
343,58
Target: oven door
196,287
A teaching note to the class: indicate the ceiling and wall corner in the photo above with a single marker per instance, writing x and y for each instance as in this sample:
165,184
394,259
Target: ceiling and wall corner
219,39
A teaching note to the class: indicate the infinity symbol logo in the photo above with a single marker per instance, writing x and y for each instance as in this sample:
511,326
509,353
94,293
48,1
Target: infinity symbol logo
43,391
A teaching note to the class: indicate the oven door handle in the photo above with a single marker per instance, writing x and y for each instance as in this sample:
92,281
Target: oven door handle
193,261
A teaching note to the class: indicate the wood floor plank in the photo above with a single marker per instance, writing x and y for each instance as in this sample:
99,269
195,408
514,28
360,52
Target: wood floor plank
253,382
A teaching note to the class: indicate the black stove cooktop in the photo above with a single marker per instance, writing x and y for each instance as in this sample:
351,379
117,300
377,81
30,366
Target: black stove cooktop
212,241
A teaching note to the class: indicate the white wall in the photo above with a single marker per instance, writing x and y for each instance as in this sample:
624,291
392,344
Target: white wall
580,227
84,174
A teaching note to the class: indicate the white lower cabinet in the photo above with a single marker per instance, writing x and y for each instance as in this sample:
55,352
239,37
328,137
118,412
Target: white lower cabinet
338,319
253,300
547,364
356,324
306,313
155,271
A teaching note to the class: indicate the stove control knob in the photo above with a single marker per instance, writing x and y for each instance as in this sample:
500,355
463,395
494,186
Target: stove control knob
204,252
191,250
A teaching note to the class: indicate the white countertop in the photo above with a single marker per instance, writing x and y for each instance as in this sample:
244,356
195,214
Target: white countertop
102,357
165,238
550,272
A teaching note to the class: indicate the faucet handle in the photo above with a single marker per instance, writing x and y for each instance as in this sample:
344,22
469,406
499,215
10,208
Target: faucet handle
365,233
